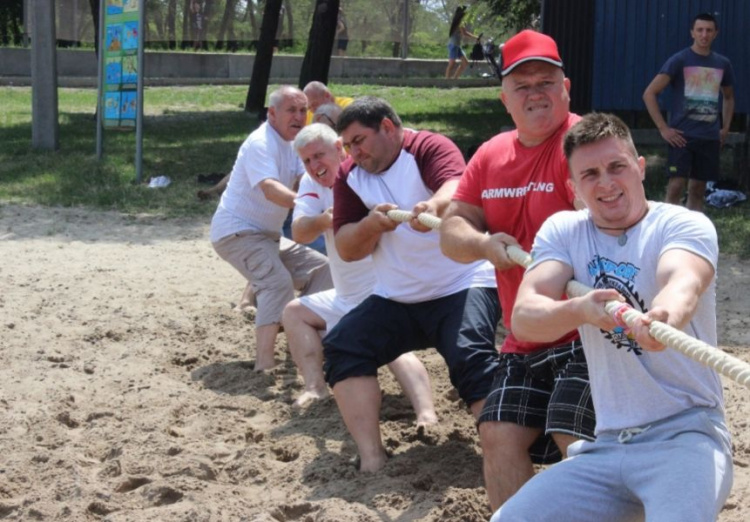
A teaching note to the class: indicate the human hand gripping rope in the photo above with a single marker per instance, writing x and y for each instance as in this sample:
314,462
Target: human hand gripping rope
704,353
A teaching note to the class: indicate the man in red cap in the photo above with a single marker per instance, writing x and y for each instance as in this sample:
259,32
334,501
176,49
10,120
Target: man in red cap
540,401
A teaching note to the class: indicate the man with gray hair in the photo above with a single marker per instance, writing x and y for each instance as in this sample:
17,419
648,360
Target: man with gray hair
307,317
328,114
246,228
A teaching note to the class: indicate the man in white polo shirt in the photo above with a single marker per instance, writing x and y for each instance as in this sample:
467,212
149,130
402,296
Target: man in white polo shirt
245,230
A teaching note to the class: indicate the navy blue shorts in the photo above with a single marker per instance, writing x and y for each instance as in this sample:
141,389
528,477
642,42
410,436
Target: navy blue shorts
460,326
699,159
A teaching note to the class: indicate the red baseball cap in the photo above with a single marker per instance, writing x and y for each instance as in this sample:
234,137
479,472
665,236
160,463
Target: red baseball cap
526,46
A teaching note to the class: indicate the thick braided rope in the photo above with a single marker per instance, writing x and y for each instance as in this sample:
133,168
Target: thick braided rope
704,353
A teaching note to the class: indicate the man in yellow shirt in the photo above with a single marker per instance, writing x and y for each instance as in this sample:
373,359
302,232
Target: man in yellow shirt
318,94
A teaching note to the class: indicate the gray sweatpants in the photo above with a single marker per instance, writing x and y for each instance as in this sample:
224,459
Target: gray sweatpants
675,470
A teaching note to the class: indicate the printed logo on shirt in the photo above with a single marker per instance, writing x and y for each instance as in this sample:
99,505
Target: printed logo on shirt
702,85
621,277
517,192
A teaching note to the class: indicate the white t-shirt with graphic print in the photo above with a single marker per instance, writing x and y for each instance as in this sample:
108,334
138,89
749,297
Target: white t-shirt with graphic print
630,386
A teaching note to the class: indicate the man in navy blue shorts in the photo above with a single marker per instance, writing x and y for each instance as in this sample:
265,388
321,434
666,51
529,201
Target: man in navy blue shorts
421,298
696,131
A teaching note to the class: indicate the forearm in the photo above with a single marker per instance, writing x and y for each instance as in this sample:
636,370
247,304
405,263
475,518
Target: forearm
356,241
307,229
652,106
680,299
541,319
461,241
277,193
442,198
727,113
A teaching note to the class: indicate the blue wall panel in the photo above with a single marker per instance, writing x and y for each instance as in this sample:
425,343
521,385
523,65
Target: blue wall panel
633,38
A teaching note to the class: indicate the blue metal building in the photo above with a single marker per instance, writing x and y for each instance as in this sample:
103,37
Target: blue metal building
612,49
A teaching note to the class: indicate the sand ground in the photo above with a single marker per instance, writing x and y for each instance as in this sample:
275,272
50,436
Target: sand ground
127,392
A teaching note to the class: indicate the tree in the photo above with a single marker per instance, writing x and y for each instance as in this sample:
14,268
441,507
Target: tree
317,59
209,8
186,25
171,24
95,15
256,92
250,15
517,14
226,28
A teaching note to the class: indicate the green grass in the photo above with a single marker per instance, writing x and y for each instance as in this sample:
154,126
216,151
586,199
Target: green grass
187,131
197,130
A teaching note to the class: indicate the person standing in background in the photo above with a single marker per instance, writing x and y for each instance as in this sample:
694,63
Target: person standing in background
455,35
698,124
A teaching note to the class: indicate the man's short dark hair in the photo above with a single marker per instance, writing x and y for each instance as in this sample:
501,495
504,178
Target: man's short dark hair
593,128
368,111
706,17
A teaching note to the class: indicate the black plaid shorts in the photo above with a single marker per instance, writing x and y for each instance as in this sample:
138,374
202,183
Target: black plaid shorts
546,389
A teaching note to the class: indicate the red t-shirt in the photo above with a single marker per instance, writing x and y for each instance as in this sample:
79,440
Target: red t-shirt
518,188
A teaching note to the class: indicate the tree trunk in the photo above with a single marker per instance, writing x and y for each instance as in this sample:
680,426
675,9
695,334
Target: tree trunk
66,23
157,16
187,40
226,24
256,92
254,23
171,24
145,30
208,13
289,24
94,4
317,59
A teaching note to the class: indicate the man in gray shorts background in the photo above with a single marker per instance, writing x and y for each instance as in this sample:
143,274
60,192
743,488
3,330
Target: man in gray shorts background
246,228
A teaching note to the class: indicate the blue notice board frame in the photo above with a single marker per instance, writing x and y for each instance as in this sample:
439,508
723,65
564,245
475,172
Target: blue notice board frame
120,94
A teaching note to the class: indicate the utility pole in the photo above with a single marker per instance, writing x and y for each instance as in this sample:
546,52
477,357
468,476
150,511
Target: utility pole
44,124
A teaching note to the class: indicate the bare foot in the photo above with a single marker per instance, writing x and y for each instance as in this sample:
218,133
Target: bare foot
427,419
425,433
308,397
263,365
246,309
372,464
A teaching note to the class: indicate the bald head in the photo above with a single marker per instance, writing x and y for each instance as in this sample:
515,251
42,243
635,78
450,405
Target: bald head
317,94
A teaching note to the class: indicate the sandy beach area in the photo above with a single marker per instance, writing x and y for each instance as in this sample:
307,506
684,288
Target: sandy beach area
127,392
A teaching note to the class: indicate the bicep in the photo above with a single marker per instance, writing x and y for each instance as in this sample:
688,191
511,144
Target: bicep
678,265
728,92
547,279
269,184
658,84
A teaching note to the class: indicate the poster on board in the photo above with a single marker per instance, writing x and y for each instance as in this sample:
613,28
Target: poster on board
121,40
